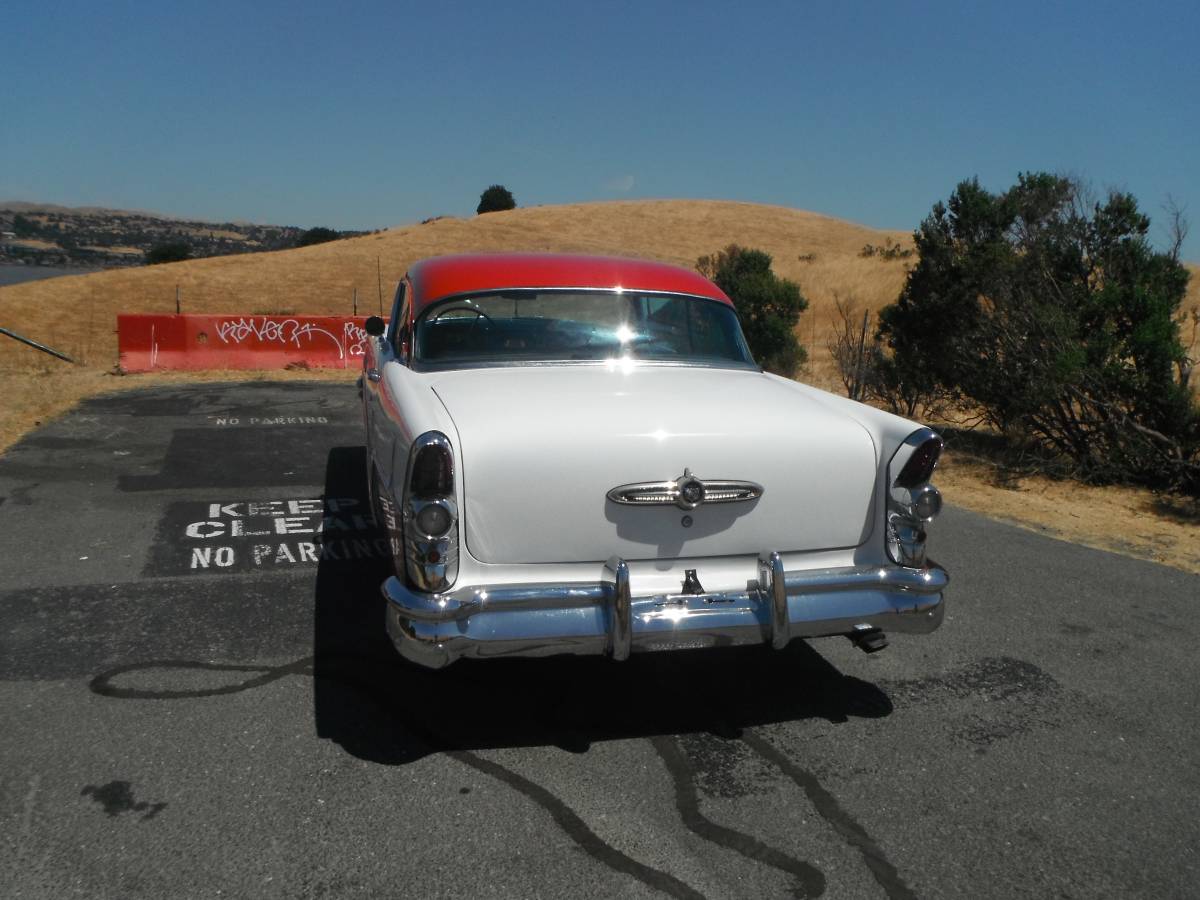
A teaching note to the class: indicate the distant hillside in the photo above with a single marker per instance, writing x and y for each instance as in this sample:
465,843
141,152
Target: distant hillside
49,235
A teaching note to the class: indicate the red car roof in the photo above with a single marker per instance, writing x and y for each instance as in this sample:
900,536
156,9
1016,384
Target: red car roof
441,276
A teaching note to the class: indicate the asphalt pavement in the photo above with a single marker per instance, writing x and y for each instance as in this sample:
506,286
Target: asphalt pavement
197,699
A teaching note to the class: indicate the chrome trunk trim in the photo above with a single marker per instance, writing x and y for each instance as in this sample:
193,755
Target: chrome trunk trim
687,492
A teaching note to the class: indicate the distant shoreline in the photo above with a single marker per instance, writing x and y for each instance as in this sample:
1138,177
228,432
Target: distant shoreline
10,275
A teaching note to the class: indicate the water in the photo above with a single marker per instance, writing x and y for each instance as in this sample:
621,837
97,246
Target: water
19,274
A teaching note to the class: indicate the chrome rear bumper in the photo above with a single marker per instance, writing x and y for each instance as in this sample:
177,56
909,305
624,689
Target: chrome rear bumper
604,618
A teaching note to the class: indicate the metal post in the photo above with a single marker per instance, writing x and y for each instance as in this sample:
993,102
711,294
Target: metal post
379,276
36,345
356,301
176,299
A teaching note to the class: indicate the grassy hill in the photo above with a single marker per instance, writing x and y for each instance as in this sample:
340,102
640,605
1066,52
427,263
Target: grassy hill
77,315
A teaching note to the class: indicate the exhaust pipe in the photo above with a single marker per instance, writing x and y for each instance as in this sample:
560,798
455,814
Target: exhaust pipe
869,640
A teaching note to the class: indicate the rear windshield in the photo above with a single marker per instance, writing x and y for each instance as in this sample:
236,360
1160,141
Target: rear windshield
533,326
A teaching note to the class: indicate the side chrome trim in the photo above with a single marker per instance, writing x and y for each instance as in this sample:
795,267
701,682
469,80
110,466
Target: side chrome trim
920,436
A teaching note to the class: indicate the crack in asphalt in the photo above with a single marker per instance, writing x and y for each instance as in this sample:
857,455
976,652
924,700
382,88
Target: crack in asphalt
566,819
577,829
831,811
809,881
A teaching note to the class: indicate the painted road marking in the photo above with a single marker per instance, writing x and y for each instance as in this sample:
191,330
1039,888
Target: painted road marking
268,420
248,535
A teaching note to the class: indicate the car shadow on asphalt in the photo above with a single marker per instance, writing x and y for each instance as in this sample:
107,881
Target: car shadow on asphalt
380,708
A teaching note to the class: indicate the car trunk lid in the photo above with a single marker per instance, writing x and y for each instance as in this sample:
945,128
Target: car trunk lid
542,446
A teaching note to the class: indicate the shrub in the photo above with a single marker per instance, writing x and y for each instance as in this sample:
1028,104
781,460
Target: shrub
316,235
25,227
166,253
852,347
496,198
869,374
888,250
1055,322
768,306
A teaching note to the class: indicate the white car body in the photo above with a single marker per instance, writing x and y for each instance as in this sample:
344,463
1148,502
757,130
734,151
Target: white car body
541,559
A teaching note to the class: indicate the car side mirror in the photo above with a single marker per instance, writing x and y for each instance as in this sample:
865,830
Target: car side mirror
374,326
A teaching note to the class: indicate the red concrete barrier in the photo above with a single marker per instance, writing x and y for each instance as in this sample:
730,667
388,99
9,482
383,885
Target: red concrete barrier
147,342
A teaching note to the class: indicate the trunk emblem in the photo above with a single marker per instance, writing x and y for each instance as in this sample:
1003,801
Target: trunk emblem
686,491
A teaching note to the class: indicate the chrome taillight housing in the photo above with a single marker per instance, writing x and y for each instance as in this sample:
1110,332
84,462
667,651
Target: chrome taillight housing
430,514
912,502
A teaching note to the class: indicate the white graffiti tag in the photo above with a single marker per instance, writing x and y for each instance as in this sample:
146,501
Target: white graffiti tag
355,339
284,331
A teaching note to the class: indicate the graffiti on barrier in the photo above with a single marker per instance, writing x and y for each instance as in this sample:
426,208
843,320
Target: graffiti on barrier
266,330
239,341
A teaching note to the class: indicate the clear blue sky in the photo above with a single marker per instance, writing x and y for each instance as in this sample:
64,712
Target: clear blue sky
385,113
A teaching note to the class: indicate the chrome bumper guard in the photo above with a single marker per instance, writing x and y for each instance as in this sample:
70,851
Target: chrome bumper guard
545,619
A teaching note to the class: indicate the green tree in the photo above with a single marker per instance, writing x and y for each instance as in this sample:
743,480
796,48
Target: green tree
25,227
769,306
176,251
495,199
316,235
1054,319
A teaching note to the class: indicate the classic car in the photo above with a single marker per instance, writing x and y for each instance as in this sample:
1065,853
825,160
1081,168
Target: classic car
578,454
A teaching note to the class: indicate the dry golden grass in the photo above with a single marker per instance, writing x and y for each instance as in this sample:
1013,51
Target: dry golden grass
218,233
34,244
124,251
78,316
1130,521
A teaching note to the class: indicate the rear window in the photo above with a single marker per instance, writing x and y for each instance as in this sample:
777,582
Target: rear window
534,326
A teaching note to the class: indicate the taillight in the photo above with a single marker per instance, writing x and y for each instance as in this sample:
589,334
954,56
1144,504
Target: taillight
432,471
920,466
434,520
431,514
912,502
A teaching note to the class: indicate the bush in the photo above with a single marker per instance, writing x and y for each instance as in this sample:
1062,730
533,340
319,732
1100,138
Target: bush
496,198
316,235
1054,322
167,253
24,227
888,250
870,374
768,306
